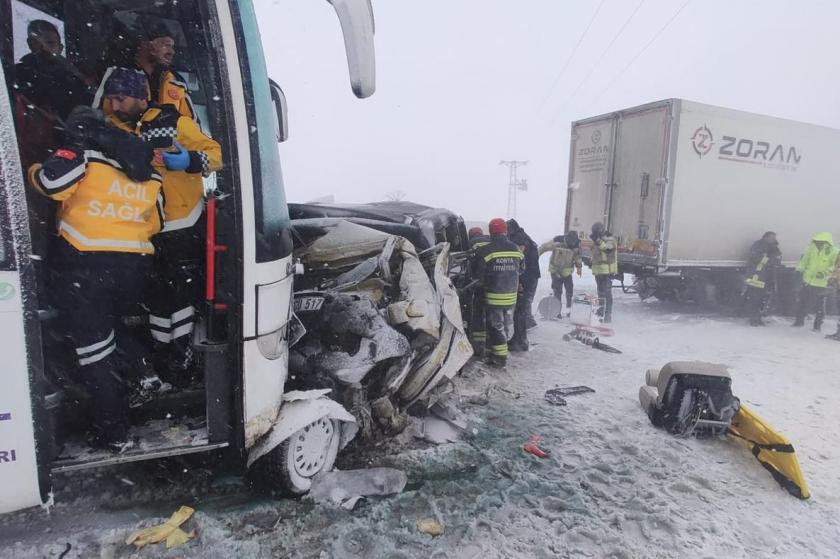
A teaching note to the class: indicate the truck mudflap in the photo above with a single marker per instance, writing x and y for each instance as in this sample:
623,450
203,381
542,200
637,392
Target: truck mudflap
299,409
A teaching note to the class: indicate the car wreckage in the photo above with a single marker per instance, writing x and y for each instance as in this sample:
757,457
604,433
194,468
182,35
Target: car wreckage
378,319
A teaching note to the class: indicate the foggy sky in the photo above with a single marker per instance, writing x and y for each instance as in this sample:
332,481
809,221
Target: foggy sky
462,84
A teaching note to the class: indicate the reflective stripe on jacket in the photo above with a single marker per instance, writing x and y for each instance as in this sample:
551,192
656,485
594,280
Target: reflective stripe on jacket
755,279
101,208
498,265
604,256
183,191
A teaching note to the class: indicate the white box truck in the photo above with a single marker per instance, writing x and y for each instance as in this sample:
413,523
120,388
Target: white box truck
686,188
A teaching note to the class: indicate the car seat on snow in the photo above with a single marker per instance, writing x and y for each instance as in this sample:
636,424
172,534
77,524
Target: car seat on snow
689,397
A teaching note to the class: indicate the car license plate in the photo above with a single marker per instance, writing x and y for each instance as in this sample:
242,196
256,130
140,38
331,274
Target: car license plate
308,304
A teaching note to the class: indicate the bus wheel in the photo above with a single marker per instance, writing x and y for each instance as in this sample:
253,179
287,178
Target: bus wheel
291,466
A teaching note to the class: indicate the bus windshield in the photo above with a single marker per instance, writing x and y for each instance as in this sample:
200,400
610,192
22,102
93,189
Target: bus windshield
272,214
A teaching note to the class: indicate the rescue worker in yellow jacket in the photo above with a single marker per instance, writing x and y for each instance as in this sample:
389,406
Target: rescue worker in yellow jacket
184,156
565,259
111,206
816,265
604,267
154,56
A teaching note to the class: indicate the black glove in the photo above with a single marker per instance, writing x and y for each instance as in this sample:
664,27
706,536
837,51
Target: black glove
80,125
133,154
86,128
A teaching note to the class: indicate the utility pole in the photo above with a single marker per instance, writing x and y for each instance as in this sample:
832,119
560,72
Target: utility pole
514,184
395,196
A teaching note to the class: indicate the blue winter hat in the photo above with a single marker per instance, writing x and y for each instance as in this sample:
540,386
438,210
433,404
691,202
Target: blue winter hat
128,82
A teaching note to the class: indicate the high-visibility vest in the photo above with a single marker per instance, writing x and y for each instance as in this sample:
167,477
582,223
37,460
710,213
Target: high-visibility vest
102,209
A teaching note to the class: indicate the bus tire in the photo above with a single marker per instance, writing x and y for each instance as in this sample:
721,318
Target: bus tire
311,450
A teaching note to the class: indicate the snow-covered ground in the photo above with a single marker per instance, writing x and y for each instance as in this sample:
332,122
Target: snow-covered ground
613,486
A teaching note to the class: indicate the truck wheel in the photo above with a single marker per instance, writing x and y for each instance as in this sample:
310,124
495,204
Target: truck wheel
291,466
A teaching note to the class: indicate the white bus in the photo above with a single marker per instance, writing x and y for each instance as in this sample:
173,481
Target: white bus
239,407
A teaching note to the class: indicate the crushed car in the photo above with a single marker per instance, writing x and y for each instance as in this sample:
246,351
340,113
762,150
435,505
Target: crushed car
380,320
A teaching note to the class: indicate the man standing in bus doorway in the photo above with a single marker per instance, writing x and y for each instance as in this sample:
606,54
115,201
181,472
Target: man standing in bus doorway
47,89
183,156
604,267
816,265
154,56
765,258
110,209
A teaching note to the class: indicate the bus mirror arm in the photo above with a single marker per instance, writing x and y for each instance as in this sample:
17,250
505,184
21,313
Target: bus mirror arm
281,111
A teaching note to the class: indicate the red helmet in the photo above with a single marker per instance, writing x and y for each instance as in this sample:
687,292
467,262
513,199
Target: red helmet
475,232
498,225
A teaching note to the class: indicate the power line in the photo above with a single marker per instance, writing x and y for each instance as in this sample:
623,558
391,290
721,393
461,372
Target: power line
571,56
641,52
600,59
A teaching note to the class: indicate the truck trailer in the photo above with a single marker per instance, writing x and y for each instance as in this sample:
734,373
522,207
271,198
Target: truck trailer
686,188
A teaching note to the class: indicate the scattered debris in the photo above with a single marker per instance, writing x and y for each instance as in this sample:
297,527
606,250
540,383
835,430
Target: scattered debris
504,468
169,531
557,396
430,526
532,447
591,337
436,430
347,487
694,398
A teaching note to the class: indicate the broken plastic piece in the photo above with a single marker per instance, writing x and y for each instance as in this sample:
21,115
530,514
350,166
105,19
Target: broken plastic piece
532,448
340,487
557,396
430,526
169,531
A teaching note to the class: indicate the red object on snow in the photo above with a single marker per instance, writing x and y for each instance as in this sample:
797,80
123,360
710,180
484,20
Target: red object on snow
535,450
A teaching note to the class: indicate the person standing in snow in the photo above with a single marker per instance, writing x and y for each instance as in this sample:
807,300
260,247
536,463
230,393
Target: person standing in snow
499,264
604,266
478,332
817,264
565,259
523,318
765,258
836,281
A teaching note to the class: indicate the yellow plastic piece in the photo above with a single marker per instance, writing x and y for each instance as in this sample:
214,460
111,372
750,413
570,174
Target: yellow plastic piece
772,449
169,531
